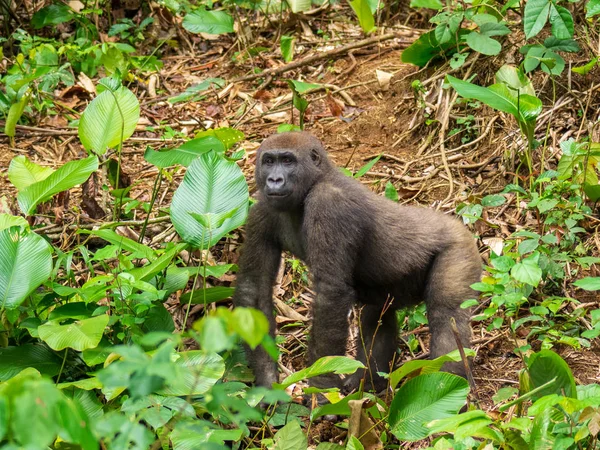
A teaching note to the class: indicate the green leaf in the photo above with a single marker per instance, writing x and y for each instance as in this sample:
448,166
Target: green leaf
291,437
299,5
561,45
184,154
14,114
562,22
490,201
13,360
515,78
592,8
482,43
125,243
210,22
8,220
527,271
195,91
430,4
525,108
493,28
327,364
79,335
362,10
391,192
527,246
542,437
25,263
286,45
197,373
586,68
546,365
424,399
354,444
368,166
22,172
200,434
64,178
588,283
208,295
162,262
227,135
536,15
108,120
425,49
212,185
449,24
591,190
51,15
250,324
424,366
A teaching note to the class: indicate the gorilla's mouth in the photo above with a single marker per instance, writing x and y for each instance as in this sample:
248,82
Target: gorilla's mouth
277,194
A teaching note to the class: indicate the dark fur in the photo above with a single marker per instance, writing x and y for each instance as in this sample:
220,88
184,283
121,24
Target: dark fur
361,249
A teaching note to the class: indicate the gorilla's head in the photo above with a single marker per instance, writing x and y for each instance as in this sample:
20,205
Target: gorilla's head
287,167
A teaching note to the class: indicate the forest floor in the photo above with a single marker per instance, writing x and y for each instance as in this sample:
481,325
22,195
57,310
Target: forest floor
376,112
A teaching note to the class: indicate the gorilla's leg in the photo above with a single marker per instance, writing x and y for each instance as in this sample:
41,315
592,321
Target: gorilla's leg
376,346
448,285
329,332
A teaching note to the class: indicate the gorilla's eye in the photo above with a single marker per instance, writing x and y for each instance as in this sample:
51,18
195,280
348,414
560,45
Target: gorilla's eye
268,160
287,160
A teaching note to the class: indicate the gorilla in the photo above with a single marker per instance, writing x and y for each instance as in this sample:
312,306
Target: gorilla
361,249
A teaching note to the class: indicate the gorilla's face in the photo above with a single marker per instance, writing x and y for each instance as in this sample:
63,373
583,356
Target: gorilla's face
285,172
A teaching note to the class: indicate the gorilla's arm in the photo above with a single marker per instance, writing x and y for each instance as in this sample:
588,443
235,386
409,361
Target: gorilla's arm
258,267
333,238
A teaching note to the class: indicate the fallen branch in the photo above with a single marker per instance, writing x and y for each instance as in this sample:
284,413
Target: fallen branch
322,55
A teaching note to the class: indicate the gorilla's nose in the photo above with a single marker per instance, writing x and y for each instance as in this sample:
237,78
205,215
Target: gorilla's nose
275,182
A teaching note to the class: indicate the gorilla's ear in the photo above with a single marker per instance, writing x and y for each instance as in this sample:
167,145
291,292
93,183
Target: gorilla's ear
314,155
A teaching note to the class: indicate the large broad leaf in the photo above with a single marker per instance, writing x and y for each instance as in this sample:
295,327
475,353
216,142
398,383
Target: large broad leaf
547,365
197,373
65,177
423,399
15,359
79,335
215,189
25,263
327,364
211,22
185,153
22,172
109,119
8,220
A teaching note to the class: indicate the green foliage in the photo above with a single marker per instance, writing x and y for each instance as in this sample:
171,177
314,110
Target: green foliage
507,98
286,45
211,201
211,22
65,177
25,263
423,399
109,119
362,9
